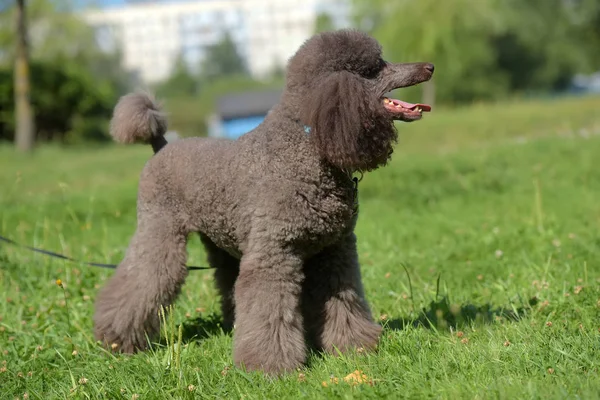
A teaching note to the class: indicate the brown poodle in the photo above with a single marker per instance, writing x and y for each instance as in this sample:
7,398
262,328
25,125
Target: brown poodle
275,209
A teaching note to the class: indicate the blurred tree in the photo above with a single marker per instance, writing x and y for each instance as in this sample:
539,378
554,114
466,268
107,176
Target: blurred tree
74,83
277,72
592,31
71,104
452,34
324,23
223,59
181,82
487,49
24,129
51,33
545,42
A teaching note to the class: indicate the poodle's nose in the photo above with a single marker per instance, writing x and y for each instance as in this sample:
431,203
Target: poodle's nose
429,67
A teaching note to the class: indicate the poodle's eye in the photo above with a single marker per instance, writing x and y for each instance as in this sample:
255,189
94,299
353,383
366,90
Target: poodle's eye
374,70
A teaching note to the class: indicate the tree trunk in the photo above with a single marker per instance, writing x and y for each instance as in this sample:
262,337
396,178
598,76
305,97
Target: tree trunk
429,93
25,131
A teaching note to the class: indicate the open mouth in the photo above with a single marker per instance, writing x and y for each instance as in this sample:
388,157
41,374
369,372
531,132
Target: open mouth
405,111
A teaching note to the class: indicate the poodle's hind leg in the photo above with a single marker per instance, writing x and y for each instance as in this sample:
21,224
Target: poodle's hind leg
269,333
337,315
150,276
227,269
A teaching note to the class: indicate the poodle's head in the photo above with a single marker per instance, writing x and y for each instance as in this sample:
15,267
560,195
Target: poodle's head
338,81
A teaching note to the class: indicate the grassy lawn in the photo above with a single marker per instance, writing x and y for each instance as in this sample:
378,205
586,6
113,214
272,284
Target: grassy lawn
480,251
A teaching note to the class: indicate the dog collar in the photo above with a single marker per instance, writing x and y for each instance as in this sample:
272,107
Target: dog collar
306,128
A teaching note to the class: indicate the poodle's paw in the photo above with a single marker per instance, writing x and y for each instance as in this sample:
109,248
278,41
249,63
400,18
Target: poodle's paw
274,358
115,326
127,343
360,335
269,364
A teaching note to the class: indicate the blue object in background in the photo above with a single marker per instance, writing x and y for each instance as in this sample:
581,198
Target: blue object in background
238,113
236,127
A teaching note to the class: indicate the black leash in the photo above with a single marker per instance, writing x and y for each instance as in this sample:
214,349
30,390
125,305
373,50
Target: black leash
52,254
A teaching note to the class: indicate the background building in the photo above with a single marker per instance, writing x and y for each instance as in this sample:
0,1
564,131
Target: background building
238,113
152,35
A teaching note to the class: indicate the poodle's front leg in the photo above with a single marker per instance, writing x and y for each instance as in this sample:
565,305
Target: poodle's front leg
269,334
336,312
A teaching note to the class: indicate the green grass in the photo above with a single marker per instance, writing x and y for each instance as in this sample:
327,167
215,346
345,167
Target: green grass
491,211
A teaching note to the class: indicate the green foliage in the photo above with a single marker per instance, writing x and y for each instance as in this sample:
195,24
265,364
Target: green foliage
181,82
452,35
484,51
488,49
543,44
324,23
223,59
505,216
74,84
70,105
52,33
223,70
591,31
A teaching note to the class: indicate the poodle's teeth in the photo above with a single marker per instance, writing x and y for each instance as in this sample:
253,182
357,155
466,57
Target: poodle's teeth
419,109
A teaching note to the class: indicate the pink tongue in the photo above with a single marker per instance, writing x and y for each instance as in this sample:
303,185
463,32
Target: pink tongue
410,106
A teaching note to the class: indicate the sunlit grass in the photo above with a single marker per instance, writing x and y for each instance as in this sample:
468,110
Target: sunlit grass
479,245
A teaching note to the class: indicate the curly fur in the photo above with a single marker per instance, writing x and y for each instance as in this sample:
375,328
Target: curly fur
353,132
275,210
137,118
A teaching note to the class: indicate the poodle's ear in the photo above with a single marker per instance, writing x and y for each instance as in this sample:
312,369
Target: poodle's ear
348,123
